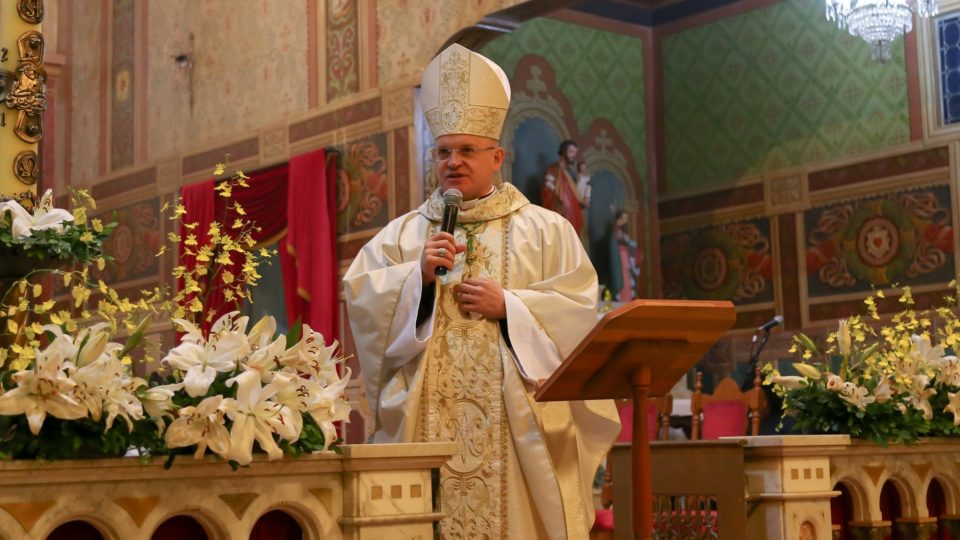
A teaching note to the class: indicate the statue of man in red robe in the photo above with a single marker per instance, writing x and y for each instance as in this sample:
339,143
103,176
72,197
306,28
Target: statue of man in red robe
560,192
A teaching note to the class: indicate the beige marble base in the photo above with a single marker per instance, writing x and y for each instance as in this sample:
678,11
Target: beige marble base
371,491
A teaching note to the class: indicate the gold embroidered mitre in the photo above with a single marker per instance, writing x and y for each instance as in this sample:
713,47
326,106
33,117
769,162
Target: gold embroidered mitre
463,92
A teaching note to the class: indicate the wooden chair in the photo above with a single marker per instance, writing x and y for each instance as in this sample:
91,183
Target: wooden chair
658,418
725,413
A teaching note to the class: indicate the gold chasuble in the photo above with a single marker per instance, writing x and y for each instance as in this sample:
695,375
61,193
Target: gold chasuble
522,469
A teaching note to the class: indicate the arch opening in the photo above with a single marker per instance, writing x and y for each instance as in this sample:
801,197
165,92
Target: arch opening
841,511
76,529
277,525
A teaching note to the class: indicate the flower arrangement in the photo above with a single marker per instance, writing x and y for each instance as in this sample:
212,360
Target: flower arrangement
891,382
68,379
53,233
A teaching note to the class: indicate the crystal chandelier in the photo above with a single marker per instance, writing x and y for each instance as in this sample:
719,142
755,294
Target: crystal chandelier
878,22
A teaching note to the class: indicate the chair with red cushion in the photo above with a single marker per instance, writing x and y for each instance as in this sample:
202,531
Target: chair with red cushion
725,412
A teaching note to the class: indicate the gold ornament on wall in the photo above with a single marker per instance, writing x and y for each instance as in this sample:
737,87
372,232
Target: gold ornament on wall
31,11
28,94
26,167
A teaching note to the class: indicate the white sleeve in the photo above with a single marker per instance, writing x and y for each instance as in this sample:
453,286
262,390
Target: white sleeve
536,354
407,340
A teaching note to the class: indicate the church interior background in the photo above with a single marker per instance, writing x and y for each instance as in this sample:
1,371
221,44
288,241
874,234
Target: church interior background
749,141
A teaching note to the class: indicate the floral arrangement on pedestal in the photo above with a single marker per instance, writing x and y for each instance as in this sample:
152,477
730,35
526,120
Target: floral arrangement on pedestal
48,233
69,387
892,382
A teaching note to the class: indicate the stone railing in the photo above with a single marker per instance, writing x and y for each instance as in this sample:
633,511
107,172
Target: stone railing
798,487
371,491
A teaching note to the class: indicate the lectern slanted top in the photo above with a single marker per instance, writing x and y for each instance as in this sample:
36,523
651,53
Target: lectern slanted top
666,336
638,350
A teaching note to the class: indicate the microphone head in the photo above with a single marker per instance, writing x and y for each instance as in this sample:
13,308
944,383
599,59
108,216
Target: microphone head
778,319
452,197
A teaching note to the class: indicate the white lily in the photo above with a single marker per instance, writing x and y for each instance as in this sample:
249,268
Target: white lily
201,359
954,407
44,389
310,355
882,392
324,403
857,396
843,337
949,370
44,216
808,371
921,402
120,400
256,417
790,381
834,383
924,354
106,385
89,343
201,425
158,400
266,359
262,333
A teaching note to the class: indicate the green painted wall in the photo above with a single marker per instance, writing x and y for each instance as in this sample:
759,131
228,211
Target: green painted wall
773,88
601,73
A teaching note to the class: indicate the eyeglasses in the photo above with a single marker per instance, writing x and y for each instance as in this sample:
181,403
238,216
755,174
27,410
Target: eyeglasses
442,153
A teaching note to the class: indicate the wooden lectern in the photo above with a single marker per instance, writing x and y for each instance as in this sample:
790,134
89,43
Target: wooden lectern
637,351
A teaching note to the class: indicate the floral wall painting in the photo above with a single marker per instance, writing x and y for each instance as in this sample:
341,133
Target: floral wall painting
895,238
134,243
363,185
343,49
732,261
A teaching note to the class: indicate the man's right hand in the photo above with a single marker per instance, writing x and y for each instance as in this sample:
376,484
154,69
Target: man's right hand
439,250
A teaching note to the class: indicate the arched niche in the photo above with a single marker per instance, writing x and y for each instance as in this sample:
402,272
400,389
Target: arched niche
189,524
278,524
858,499
79,529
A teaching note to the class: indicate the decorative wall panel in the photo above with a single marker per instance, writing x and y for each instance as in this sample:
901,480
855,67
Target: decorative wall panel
135,242
363,185
857,245
730,261
85,87
343,49
122,95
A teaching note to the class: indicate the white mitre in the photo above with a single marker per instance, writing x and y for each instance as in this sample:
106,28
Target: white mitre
464,93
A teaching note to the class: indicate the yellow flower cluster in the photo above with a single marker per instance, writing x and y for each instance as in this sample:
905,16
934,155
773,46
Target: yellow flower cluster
224,258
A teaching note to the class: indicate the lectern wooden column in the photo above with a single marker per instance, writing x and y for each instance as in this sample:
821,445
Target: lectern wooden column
637,351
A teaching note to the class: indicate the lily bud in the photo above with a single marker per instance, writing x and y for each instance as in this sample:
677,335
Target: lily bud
843,337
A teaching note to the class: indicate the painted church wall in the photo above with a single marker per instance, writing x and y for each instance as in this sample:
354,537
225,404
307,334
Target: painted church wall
773,88
799,176
574,82
154,94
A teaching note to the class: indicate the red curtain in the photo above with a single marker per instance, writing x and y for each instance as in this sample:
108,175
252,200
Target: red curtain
199,203
298,199
308,257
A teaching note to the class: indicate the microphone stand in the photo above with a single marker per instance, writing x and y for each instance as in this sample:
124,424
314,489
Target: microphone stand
772,400
755,350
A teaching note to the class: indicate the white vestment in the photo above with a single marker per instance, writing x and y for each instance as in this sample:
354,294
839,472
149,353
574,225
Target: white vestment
523,469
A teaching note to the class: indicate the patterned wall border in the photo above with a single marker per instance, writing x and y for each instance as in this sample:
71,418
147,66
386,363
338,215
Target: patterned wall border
908,167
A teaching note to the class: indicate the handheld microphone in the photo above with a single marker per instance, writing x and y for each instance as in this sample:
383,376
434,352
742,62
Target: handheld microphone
451,208
777,320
